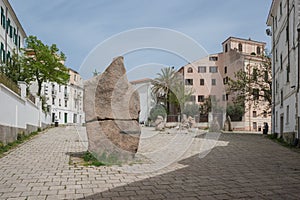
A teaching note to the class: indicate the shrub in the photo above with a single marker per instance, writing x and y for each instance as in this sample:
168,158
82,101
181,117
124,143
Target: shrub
191,110
156,111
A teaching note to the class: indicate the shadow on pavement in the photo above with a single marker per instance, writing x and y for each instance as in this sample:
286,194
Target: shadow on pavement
249,167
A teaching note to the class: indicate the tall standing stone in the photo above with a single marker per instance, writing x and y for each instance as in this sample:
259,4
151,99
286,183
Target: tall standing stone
112,108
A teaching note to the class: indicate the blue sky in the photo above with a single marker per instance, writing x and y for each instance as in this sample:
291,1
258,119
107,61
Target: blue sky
77,26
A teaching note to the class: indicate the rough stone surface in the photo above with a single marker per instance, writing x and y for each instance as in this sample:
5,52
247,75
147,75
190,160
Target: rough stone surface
112,109
159,123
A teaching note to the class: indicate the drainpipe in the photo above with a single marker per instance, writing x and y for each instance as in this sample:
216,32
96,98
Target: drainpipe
298,85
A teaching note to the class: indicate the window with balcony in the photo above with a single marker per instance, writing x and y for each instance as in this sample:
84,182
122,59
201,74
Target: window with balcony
254,113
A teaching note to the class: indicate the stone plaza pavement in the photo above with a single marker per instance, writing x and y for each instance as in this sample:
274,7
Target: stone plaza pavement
240,166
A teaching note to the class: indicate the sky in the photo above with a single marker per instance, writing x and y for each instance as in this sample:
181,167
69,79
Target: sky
148,34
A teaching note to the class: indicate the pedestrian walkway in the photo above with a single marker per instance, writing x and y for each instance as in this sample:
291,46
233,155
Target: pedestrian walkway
237,167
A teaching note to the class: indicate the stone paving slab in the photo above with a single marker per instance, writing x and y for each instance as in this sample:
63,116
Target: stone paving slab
230,166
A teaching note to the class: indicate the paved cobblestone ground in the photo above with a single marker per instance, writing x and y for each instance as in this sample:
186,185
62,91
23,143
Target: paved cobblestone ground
239,167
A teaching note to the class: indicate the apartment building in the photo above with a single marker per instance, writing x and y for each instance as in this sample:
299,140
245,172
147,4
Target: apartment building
284,21
209,76
65,102
12,34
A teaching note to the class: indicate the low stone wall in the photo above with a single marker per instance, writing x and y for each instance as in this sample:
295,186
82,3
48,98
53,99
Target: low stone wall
9,134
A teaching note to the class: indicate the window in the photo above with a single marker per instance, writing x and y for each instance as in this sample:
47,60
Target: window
7,25
66,103
66,89
59,88
226,47
255,94
254,124
53,101
287,114
2,52
213,69
225,80
188,81
281,62
213,58
254,113
201,81
258,50
225,69
59,115
74,77
240,46
280,8
287,73
200,98
227,97
265,114
224,97
2,18
192,98
276,55
213,81
59,102
190,70
201,69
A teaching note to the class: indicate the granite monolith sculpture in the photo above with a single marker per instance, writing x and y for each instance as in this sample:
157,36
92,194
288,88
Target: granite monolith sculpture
112,109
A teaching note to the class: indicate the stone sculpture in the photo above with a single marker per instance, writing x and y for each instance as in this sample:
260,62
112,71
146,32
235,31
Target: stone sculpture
112,109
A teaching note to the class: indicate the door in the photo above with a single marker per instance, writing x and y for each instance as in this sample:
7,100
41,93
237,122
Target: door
281,125
53,117
66,118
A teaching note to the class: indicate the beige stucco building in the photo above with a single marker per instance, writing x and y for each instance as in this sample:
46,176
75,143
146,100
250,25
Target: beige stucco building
209,76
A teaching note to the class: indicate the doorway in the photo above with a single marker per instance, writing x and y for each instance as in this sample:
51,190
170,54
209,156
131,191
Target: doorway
66,118
281,125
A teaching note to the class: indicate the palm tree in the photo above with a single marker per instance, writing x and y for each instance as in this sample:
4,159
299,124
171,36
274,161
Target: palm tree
163,83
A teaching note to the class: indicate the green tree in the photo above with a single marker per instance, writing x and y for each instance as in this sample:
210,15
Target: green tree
235,111
14,70
44,63
179,94
163,84
254,84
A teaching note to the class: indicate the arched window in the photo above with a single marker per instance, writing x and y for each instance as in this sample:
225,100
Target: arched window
240,47
258,50
190,70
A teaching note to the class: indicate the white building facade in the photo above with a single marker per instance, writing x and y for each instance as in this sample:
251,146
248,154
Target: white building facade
65,102
284,20
147,102
12,34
